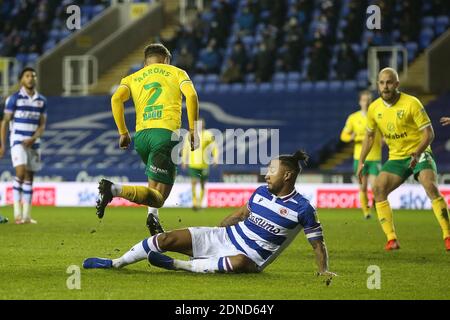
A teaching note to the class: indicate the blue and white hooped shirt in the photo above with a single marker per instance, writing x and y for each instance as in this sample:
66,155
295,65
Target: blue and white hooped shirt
26,112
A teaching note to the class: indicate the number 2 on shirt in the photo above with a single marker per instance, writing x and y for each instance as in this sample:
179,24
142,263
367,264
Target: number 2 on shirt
152,111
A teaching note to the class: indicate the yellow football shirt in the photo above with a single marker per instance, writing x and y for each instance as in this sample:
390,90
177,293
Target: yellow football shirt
200,158
357,124
157,97
400,124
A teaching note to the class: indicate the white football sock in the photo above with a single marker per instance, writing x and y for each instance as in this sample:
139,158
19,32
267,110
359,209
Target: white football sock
116,189
153,211
27,188
210,265
138,253
17,194
135,254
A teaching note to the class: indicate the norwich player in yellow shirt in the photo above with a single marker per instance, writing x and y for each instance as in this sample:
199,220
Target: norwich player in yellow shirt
156,91
198,162
408,133
355,130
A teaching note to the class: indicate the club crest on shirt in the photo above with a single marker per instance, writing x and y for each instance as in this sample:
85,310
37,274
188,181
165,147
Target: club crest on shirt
400,114
283,211
391,126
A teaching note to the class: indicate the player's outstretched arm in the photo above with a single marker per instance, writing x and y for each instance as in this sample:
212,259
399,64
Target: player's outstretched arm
118,99
321,253
366,147
4,132
236,217
188,90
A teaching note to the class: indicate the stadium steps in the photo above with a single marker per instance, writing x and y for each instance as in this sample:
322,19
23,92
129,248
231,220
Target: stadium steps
414,82
110,79
415,79
338,158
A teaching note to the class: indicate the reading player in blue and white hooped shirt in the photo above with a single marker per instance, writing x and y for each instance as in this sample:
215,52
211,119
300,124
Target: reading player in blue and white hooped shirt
246,241
25,114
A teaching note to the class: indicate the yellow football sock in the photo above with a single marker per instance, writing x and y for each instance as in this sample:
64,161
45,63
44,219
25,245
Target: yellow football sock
384,212
364,200
194,195
142,195
202,194
440,210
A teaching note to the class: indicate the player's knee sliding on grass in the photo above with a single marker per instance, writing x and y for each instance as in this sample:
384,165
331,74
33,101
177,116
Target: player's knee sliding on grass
246,241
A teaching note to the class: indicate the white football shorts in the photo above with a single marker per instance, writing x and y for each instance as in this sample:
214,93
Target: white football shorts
31,158
208,242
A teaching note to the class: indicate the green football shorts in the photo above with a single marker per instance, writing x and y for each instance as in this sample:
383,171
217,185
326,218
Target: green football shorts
370,167
155,148
201,174
401,167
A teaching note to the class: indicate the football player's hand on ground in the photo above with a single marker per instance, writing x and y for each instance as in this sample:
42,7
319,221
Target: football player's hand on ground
124,141
445,121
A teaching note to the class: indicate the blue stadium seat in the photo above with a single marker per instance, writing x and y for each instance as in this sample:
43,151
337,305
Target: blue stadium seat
209,87
237,87
428,22
441,24
250,77
321,86
279,77
198,79
265,87
250,87
293,76
212,78
362,75
293,87
425,38
349,85
335,85
199,87
223,88
306,86
32,58
412,50
279,86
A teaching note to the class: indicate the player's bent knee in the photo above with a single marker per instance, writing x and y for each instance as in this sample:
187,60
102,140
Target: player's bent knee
378,192
165,240
242,264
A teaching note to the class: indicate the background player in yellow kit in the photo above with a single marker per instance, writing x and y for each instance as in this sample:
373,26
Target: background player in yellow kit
355,130
198,161
408,133
157,91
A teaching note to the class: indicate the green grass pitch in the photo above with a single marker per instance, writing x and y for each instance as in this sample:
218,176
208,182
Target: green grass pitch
34,259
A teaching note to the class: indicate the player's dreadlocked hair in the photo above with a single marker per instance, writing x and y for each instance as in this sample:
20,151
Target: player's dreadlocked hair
157,49
294,161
